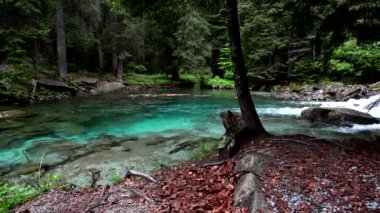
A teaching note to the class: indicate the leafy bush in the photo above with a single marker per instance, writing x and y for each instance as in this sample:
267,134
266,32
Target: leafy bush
351,60
16,73
229,75
217,82
147,80
138,68
306,70
189,78
225,62
342,66
13,195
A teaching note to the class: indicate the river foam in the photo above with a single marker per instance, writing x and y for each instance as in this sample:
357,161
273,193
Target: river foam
362,105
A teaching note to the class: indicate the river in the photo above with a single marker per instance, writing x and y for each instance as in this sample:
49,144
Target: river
152,123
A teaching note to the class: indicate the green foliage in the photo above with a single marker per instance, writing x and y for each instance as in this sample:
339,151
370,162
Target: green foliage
351,60
341,66
201,152
193,79
14,195
147,80
192,47
51,181
116,178
138,68
159,80
264,35
306,70
158,164
225,63
217,82
16,73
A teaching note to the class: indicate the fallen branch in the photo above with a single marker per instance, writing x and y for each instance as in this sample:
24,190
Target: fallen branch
287,140
215,163
130,173
34,82
142,195
99,201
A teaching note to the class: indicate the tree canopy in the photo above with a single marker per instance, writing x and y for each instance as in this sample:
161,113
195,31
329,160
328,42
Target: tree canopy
282,41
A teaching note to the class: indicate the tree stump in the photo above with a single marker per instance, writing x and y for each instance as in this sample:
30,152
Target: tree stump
236,130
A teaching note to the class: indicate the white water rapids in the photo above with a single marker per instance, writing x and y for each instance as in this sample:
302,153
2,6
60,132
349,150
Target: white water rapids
369,105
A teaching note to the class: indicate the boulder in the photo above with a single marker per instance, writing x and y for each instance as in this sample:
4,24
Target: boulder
55,85
11,114
106,87
85,80
338,116
355,91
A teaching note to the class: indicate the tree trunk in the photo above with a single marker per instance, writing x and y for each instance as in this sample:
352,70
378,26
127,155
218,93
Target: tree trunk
120,67
317,49
114,59
215,54
61,45
247,106
175,74
37,58
101,56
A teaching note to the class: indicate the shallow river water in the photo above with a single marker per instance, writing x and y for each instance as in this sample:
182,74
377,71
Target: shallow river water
143,119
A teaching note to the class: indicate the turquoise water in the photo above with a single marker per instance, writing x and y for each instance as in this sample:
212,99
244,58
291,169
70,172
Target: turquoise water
86,121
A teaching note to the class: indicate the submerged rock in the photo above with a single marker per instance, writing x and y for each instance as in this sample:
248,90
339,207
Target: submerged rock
12,114
338,116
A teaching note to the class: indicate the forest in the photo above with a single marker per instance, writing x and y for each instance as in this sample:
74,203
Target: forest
283,41
189,106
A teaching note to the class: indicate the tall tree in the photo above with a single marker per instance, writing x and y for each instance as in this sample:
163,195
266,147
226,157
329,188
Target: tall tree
192,47
247,106
61,43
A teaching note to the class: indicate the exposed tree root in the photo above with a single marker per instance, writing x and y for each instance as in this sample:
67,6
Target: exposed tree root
215,163
280,140
130,173
99,201
142,195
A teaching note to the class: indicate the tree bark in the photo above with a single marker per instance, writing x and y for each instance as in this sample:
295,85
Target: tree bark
114,58
61,44
120,67
101,56
37,57
317,49
247,106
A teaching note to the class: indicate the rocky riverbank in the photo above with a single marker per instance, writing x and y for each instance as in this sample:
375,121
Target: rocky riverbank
335,91
272,174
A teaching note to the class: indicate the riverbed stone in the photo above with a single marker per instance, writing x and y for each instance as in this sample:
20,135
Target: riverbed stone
86,81
106,87
12,114
55,85
338,116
